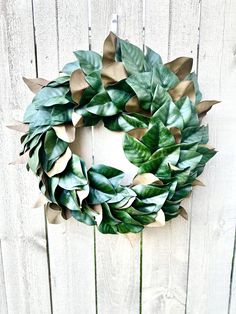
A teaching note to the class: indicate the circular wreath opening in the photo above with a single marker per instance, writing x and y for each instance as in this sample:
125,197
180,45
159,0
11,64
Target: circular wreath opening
159,108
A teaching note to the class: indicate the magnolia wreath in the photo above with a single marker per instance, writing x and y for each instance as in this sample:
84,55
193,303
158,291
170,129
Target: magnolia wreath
157,106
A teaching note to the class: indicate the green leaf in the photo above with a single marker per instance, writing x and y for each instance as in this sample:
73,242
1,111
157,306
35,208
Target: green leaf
150,198
54,147
189,159
61,80
94,80
118,97
170,115
135,151
195,134
61,114
52,184
73,177
49,96
107,220
43,116
160,97
125,228
83,217
125,217
114,175
102,105
29,113
182,192
207,153
33,161
101,189
193,77
69,68
157,136
126,122
89,61
184,105
69,199
164,76
132,57
160,160
152,58
181,175
141,85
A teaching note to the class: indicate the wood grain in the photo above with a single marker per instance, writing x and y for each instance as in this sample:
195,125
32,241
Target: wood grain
23,245
70,243
213,208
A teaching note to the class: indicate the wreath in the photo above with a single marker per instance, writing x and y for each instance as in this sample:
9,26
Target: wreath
157,106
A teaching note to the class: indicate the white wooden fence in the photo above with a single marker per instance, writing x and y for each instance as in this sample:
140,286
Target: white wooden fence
185,267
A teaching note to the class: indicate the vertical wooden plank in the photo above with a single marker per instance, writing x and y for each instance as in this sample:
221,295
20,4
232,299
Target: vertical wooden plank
46,38
232,296
3,297
213,211
118,262
157,26
70,243
22,235
165,250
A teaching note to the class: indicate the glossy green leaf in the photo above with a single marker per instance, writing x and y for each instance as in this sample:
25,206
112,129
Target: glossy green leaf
152,58
150,198
135,151
132,57
73,176
89,61
49,96
189,159
157,136
170,116
33,161
164,76
101,105
195,134
69,68
141,85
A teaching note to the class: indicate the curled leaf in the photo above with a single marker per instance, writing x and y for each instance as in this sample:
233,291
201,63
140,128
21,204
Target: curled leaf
60,164
65,132
77,84
183,213
146,178
113,72
53,213
35,84
42,200
181,66
176,133
204,106
19,126
21,160
184,88
77,120
159,220
109,49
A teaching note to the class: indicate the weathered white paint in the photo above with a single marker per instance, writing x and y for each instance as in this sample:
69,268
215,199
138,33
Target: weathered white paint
23,259
70,243
187,266
213,209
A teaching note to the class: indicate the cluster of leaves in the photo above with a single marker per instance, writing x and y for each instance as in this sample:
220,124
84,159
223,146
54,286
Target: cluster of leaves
129,91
